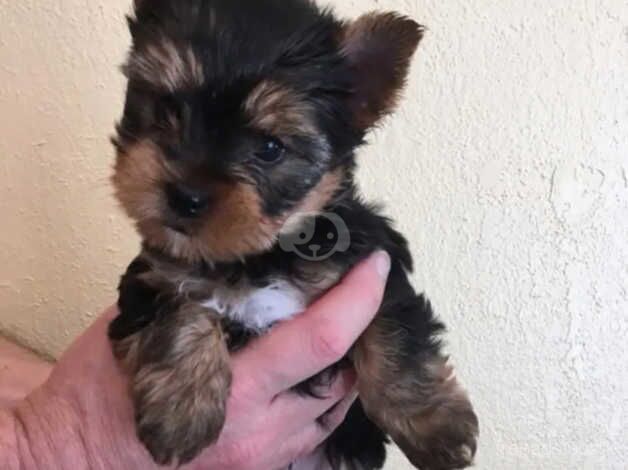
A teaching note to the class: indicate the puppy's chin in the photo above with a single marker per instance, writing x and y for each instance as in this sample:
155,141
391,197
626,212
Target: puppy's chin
205,245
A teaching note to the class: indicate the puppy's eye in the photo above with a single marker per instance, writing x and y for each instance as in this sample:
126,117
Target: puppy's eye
271,151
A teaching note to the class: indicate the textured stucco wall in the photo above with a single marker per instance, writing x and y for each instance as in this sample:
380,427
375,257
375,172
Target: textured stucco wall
507,167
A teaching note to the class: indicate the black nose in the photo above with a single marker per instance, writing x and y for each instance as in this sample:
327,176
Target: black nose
186,202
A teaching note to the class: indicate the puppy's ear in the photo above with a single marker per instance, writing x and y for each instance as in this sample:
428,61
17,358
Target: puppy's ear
379,47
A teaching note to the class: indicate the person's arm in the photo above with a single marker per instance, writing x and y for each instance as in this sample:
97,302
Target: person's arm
82,418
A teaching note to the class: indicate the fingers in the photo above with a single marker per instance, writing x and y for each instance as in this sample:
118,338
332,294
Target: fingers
289,407
336,415
303,347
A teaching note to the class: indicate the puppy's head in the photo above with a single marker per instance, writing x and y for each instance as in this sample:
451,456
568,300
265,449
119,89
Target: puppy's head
242,113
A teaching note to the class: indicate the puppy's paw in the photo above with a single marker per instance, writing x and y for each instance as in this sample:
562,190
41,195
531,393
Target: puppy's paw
428,415
180,387
175,421
443,438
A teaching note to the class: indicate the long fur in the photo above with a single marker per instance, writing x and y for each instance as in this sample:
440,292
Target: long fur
236,159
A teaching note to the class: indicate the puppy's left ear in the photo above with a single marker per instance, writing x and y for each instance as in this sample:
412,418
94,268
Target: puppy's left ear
379,48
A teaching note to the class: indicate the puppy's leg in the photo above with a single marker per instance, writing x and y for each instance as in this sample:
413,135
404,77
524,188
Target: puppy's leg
408,389
357,444
180,382
176,355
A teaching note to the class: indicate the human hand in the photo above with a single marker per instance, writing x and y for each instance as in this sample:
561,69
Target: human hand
82,417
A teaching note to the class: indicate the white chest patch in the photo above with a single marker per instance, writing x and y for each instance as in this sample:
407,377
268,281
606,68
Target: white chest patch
259,308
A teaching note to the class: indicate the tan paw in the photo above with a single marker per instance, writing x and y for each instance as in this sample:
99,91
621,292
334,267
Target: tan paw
180,386
444,438
176,423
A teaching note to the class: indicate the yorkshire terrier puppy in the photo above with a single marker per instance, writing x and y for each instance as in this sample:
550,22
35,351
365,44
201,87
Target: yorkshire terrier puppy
236,159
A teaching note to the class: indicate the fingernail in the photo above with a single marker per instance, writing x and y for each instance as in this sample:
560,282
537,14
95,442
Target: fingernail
382,263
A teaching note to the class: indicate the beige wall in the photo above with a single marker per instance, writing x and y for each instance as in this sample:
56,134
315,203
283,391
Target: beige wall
507,167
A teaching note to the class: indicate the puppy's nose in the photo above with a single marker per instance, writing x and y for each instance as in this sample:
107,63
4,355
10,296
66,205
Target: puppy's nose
186,202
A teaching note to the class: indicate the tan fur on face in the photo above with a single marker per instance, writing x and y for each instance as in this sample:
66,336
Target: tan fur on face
180,398
322,193
278,110
234,228
424,409
138,171
237,226
167,66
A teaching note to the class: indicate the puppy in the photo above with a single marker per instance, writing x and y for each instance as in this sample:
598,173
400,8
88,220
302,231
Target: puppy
236,159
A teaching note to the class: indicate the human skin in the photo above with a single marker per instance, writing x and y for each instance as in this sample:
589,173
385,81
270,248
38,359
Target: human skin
21,371
82,418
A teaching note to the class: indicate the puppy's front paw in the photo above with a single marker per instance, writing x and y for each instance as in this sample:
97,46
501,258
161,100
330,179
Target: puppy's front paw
180,386
177,420
442,438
